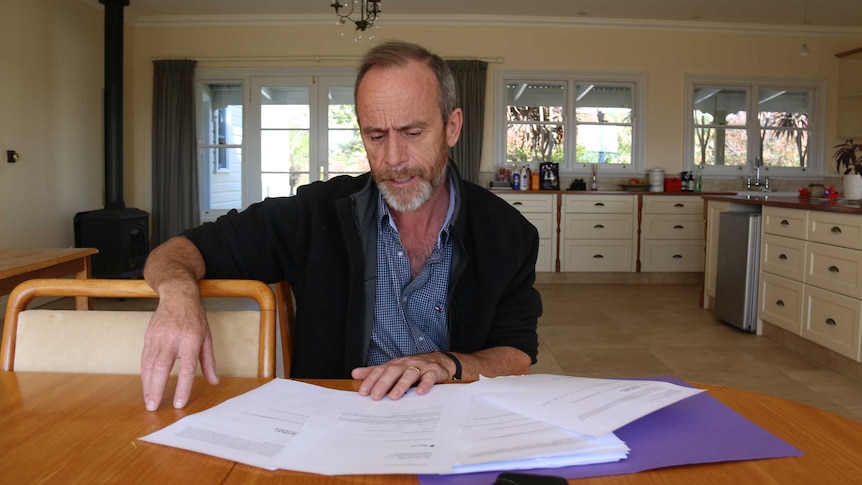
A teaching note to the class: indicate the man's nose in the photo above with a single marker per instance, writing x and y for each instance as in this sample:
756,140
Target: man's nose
395,151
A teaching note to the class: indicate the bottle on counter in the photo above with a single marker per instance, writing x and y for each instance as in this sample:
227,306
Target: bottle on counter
534,180
525,178
516,181
698,187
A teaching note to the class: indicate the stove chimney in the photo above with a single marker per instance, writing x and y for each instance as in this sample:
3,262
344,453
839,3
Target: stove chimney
121,235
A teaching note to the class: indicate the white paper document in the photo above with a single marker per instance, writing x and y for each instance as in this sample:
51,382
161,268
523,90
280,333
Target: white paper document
351,434
584,405
497,439
505,423
251,428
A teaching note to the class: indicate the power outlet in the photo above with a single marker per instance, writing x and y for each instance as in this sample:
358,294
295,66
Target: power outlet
11,156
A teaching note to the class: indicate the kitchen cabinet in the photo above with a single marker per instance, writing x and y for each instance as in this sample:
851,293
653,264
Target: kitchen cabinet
811,277
782,267
672,234
541,210
713,216
598,233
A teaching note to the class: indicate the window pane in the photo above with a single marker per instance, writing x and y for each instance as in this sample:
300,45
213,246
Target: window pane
720,106
346,151
603,104
534,143
535,113
224,185
783,119
284,150
604,144
282,184
220,157
720,146
283,107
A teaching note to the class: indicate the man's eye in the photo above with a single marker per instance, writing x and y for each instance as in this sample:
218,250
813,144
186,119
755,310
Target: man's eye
376,137
413,134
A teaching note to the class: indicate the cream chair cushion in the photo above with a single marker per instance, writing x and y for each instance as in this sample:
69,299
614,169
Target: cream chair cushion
110,342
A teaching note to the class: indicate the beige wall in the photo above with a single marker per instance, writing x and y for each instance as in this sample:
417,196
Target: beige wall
666,56
50,92
50,100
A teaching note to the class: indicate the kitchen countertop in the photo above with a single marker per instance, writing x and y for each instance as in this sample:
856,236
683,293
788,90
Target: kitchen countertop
818,204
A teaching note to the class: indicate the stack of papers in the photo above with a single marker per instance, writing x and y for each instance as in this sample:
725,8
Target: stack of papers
505,423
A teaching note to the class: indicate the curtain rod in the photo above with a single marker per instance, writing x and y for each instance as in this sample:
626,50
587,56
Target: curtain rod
490,60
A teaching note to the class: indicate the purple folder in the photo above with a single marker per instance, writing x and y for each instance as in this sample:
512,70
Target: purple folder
698,429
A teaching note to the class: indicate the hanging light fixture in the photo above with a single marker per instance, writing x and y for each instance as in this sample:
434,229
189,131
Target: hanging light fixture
804,51
367,10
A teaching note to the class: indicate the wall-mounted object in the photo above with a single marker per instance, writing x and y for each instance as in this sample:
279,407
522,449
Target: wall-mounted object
11,156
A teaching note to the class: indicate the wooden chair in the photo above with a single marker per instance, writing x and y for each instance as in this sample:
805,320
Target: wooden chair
98,341
285,305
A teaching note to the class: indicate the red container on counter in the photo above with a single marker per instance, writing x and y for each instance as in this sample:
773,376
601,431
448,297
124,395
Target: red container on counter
672,184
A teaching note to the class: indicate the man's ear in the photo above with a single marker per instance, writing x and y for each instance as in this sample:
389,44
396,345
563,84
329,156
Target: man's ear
453,127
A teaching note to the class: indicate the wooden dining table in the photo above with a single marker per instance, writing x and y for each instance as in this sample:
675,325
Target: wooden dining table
18,265
80,428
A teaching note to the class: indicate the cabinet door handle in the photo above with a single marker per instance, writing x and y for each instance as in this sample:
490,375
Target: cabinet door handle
832,322
598,256
779,303
517,203
833,269
784,222
836,230
599,204
598,226
679,205
678,227
677,256
782,256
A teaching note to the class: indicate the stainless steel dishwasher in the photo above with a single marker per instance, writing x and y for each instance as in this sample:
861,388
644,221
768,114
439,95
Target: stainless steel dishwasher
737,278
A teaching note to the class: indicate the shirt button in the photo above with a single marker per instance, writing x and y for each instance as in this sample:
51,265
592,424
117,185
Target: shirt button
421,339
400,253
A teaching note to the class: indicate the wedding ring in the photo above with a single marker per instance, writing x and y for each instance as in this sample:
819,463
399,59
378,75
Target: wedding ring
416,369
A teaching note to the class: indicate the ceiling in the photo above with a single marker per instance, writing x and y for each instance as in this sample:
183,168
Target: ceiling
840,16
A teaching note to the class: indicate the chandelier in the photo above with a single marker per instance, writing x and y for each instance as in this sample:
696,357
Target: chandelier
367,10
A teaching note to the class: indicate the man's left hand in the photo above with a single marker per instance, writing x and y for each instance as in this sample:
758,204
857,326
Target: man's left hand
397,376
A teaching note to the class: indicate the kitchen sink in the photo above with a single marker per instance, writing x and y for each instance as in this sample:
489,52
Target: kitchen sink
759,193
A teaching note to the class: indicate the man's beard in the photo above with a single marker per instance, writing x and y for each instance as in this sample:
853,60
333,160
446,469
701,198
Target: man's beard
412,198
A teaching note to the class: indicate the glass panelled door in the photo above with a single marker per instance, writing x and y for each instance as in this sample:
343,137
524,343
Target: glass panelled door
220,135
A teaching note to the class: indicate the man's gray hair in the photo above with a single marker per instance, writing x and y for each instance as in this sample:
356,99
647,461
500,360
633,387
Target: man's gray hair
397,53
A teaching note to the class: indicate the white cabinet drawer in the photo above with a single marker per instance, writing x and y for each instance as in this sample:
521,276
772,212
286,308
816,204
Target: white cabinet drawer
599,226
834,269
832,321
598,255
544,223
547,258
530,202
668,204
669,226
836,229
672,256
780,302
783,256
785,222
599,204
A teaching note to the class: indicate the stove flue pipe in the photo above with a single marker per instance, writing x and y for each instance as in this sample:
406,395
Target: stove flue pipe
114,103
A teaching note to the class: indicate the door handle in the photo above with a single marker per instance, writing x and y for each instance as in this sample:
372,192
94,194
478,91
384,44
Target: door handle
836,230
599,204
779,303
678,227
677,256
679,205
598,256
832,322
782,256
598,226
833,269
784,222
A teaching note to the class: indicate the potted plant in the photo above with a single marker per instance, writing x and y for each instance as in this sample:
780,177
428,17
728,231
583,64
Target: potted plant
848,162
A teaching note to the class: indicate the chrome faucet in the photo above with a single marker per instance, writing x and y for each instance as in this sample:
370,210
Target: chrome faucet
761,183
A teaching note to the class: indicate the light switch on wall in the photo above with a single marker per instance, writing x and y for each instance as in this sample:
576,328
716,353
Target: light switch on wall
11,156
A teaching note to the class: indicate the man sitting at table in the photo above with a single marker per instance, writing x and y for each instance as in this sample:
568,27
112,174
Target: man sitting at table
404,276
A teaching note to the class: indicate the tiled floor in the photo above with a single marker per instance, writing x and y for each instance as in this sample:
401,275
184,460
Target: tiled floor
620,330
660,330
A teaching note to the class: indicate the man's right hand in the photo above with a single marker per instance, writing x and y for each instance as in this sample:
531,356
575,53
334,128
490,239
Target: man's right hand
178,330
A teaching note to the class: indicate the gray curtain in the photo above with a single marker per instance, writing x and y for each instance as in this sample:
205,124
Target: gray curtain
470,82
175,177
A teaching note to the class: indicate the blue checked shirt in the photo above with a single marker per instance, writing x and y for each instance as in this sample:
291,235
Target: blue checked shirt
409,316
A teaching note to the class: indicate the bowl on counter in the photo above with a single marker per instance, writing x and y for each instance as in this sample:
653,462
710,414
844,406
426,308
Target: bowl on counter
634,187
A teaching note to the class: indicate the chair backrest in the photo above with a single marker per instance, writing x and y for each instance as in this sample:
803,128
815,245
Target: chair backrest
111,341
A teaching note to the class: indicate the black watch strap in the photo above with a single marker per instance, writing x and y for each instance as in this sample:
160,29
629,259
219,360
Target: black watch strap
457,375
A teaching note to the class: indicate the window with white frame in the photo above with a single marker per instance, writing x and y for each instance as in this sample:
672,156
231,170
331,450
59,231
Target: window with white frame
734,126
575,120
264,133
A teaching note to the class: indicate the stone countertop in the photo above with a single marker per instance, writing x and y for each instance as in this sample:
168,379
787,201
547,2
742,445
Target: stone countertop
806,203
